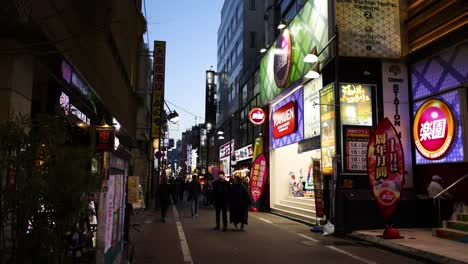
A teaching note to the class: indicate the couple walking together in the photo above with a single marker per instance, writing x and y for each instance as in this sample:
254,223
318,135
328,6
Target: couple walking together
236,196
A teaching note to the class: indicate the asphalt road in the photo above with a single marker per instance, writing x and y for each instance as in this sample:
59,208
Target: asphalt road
268,239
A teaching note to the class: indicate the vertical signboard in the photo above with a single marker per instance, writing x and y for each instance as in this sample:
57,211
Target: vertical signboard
318,188
395,89
356,140
258,176
369,28
189,158
312,108
386,167
159,68
109,213
327,126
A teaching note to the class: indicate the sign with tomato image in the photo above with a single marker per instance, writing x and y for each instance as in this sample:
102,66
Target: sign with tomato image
386,167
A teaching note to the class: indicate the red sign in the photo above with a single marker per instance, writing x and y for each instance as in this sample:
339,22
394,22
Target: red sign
433,129
257,116
104,138
284,120
258,177
318,188
282,59
386,167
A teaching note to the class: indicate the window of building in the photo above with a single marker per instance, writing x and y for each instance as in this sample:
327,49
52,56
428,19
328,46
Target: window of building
252,4
253,40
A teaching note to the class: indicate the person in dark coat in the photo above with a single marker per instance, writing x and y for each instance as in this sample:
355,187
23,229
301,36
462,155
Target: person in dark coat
164,197
172,190
181,188
194,189
239,203
221,199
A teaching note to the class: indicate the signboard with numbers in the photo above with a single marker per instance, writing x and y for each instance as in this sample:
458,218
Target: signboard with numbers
356,141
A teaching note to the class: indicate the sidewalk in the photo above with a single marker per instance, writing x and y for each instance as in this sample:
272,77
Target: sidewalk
419,242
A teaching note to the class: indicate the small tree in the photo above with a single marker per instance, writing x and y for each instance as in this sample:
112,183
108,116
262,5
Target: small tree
53,178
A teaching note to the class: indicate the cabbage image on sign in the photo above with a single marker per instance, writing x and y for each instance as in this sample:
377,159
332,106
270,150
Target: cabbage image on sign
386,167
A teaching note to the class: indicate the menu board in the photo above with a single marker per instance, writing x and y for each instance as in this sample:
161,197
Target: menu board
327,127
356,140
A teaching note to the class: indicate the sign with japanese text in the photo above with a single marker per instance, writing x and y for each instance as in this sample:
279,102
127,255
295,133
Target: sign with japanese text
109,213
312,108
356,140
157,106
284,120
244,153
225,149
104,137
327,126
318,188
156,113
386,167
356,104
433,129
282,59
257,116
258,177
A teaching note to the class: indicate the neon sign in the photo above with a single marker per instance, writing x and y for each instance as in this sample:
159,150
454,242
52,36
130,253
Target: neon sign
433,129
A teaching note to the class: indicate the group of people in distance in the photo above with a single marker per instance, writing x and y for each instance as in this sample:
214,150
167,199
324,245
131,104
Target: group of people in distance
233,195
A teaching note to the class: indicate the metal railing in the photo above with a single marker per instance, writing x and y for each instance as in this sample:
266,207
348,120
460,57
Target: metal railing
437,198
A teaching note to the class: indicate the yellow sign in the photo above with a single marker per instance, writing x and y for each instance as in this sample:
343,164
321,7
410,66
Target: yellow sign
133,194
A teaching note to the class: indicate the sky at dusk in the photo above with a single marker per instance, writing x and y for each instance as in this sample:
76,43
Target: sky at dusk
190,30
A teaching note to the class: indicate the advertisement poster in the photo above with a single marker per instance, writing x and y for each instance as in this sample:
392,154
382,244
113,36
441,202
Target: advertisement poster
356,104
327,125
258,177
356,140
369,28
244,153
395,88
386,167
318,188
312,108
109,213
286,120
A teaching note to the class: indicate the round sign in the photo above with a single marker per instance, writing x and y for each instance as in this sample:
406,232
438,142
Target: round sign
257,116
158,154
433,129
282,59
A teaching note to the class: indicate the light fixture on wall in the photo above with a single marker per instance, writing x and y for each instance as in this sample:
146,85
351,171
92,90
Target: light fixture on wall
312,56
284,23
172,116
314,72
264,49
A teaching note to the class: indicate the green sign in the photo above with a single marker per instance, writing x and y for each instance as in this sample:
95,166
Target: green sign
307,30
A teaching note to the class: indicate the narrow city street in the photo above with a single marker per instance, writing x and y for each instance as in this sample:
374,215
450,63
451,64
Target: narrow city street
268,239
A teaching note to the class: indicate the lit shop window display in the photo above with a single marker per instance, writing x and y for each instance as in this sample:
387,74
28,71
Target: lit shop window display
356,104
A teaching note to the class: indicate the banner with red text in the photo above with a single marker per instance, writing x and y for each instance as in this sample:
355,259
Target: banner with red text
386,167
258,177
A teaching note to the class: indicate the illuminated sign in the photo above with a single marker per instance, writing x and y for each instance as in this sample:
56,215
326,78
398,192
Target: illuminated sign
282,59
104,138
258,177
257,116
284,120
225,149
244,153
356,104
69,108
433,129
386,167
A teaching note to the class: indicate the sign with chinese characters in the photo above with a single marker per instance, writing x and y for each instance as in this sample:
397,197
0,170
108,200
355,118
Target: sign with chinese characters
244,153
312,108
386,167
68,108
258,177
109,213
327,125
72,77
396,105
189,158
282,59
257,116
318,188
225,149
369,28
284,120
356,140
433,129
104,137
157,107
356,104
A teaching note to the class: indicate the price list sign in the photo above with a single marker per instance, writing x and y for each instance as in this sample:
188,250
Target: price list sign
356,141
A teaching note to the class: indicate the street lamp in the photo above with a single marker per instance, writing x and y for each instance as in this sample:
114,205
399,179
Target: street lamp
172,116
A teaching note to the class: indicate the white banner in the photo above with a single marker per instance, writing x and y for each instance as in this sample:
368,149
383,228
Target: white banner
109,213
369,28
312,108
396,109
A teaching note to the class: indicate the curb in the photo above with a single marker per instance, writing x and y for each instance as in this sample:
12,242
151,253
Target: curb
405,250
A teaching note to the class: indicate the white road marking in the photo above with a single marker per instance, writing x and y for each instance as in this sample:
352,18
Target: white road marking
183,240
307,237
351,255
265,220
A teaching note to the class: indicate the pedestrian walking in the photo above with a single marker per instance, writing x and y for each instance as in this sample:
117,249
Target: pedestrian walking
181,188
164,197
173,190
194,189
221,199
239,203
